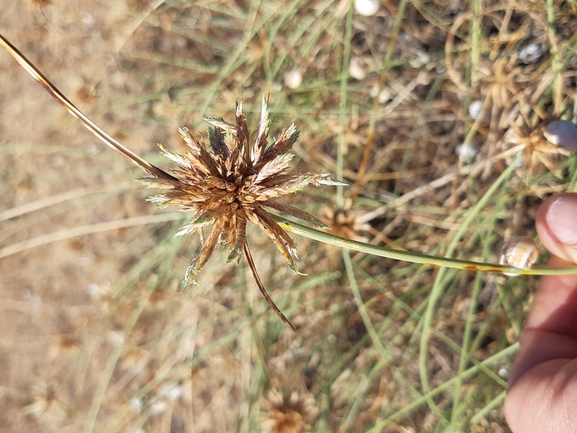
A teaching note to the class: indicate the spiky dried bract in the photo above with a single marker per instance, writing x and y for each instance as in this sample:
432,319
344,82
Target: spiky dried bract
234,180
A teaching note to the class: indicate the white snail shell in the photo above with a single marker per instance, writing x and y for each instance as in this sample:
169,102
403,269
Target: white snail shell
475,108
562,133
466,152
530,53
293,79
367,8
521,252
357,69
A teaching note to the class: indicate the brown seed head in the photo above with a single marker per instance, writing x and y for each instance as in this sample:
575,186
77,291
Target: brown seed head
288,413
234,180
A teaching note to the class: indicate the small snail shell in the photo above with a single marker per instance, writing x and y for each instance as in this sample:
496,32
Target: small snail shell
475,108
357,68
367,8
466,152
293,79
521,252
562,133
530,53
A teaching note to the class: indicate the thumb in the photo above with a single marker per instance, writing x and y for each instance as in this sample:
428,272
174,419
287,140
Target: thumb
542,391
557,226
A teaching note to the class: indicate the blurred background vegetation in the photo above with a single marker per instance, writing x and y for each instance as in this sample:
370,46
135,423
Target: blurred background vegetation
420,108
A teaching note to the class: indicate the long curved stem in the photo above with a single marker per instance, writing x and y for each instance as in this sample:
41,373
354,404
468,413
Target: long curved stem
252,266
71,108
411,257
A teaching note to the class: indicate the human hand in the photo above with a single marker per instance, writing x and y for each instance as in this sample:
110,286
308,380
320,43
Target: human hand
542,395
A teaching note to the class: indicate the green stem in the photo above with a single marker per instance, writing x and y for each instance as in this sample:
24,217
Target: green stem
407,256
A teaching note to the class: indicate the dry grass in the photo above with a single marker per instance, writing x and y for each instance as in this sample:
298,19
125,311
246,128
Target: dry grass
96,335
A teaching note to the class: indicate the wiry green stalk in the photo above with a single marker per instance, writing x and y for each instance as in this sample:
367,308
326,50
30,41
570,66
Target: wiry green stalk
407,256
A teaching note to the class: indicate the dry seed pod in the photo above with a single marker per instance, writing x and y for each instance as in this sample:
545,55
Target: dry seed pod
521,252
562,133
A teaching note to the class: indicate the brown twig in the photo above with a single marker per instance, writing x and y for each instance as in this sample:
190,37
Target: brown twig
252,266
71,108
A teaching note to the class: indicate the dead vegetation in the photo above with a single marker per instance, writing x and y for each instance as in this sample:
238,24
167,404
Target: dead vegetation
96,335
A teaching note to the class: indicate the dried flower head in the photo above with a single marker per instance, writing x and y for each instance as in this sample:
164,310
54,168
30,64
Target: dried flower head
288,414
67,344
45,405
347,223
232,181
527,135
502,77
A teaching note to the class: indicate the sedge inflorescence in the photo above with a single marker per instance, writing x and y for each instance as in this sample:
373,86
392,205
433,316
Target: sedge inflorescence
233,180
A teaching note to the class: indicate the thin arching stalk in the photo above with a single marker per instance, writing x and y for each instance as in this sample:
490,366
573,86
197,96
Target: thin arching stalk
278,312
71,108
412,257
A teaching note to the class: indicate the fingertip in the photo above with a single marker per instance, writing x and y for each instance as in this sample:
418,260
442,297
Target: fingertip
557,226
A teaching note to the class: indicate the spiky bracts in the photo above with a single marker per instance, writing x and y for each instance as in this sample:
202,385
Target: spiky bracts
234,180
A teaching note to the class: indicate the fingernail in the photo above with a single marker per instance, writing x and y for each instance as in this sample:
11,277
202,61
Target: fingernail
562,219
